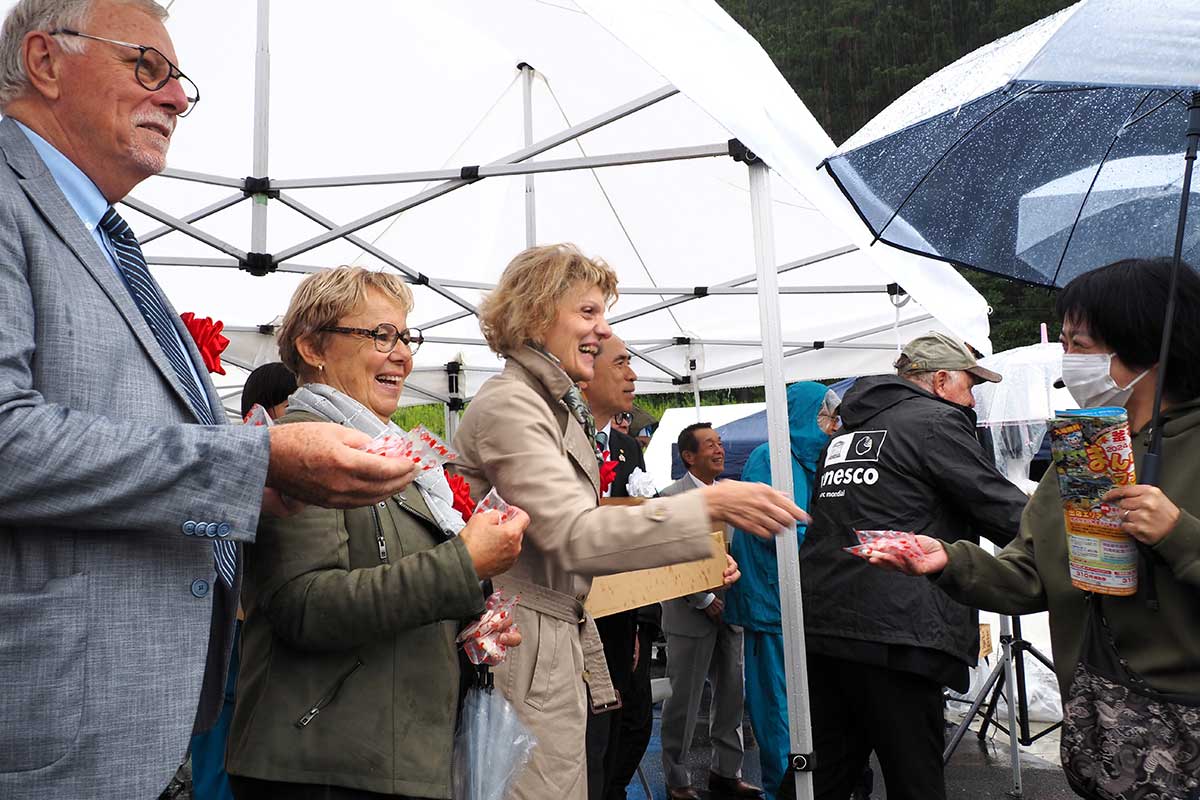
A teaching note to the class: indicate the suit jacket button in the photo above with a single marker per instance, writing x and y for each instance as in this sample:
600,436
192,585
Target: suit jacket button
202,529
199,587
223,529
189,528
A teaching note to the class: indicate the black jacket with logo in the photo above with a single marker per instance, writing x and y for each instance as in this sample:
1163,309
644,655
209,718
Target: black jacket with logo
905,460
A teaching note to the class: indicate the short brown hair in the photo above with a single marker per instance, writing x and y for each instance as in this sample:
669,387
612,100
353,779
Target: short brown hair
525,302
323,298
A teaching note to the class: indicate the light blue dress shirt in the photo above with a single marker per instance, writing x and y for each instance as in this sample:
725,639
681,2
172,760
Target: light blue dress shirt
87,201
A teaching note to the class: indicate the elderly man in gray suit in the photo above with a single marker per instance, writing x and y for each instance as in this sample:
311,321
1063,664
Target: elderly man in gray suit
700,647
122,497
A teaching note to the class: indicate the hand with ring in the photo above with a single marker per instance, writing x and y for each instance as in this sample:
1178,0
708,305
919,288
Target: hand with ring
1156,516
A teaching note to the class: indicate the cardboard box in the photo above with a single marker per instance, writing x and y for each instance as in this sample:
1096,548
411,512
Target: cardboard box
985,640
615,593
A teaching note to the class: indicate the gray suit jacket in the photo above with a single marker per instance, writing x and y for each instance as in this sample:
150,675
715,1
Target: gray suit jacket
106,605
680,616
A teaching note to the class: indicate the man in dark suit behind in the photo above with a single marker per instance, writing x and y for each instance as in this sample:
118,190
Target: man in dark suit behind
609,393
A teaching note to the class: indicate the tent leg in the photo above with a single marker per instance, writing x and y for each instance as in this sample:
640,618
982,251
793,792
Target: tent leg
530,198
262,113
791,604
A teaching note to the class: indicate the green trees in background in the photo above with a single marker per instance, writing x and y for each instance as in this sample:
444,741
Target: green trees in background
848,59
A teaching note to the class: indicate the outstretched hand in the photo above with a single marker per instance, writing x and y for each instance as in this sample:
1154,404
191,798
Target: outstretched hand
320,463
753,507
933,559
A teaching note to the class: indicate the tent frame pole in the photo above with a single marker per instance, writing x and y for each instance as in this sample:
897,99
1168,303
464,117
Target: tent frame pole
262,113
778,436
530,196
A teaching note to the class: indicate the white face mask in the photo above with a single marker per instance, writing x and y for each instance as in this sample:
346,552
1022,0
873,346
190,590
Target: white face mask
1089,380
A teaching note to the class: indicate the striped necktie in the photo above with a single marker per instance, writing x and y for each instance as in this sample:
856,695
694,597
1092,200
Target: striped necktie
601,444
141,285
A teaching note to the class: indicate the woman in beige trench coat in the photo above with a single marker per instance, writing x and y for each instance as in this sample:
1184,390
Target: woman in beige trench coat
528,434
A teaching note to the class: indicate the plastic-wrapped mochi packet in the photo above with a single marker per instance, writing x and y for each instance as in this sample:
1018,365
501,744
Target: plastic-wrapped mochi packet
900,543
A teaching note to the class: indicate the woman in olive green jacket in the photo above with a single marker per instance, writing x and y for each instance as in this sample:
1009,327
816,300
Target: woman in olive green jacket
1112,327
349,681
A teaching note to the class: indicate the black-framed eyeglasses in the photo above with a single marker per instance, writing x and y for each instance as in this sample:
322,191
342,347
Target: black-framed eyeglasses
153,70
386,335
623,416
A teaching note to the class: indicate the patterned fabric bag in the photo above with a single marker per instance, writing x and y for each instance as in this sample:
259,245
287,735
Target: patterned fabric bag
1121,738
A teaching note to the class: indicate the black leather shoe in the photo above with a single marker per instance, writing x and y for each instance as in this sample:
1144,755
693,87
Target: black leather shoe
722,787
682,793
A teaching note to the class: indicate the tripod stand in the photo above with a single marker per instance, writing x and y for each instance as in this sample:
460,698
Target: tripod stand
1009,671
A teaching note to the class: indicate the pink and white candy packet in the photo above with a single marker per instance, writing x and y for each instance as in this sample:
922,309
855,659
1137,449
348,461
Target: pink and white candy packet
481,639
419,445
494,502
258,417
898,543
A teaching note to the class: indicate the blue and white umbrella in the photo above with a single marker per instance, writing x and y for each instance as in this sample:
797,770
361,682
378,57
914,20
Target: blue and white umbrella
1023,157
1045,154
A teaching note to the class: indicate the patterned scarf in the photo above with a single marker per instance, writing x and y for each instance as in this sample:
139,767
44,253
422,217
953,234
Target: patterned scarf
578,407
336,406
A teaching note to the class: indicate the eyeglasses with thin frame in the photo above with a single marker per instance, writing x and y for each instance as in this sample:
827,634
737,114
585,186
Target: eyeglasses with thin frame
153,70
385,334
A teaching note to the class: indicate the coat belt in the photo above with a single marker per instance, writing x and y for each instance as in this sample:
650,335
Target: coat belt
565,607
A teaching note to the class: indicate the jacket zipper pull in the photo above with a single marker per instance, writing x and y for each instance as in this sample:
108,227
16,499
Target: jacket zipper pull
379,540
307,718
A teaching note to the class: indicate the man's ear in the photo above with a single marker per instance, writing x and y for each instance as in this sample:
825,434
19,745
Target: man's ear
940,379
688,458
42,59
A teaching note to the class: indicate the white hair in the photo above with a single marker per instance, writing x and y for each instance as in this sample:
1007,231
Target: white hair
47,15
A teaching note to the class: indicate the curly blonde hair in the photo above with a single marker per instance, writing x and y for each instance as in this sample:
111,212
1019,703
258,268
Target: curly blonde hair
323,298
525,302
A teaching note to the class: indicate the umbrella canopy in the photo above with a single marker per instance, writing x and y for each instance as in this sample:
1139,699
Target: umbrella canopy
374,145
1047,153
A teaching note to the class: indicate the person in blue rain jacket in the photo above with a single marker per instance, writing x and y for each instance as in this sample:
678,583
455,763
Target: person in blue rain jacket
753,602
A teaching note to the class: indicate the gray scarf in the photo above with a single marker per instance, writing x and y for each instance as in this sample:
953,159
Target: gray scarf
339,407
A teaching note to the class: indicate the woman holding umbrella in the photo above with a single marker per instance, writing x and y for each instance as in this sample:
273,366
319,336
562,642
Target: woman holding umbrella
1112,328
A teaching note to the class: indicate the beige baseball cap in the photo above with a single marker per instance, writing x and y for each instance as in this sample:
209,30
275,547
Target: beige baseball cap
934,351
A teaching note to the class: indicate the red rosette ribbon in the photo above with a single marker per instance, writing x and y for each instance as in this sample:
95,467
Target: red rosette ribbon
608,472
208,338
461,490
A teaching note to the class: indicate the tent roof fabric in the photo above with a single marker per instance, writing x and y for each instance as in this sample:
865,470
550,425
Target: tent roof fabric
433,88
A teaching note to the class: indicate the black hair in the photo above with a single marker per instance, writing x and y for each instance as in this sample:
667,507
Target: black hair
268,385
1122,306
687,437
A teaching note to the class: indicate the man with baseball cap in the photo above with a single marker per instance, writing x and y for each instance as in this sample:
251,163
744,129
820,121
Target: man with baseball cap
880,647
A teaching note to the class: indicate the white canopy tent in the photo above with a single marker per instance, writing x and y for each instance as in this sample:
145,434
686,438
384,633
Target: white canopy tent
438,86
731,274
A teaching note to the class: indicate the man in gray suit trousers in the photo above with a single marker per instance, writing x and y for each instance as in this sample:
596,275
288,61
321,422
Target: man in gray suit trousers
701,646
122,496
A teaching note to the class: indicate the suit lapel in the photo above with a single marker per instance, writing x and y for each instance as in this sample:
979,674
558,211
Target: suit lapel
39,185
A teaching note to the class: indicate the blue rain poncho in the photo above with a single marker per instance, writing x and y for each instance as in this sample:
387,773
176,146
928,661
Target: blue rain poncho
753,602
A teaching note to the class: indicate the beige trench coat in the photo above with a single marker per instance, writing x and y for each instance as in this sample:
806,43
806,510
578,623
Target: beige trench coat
518,436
